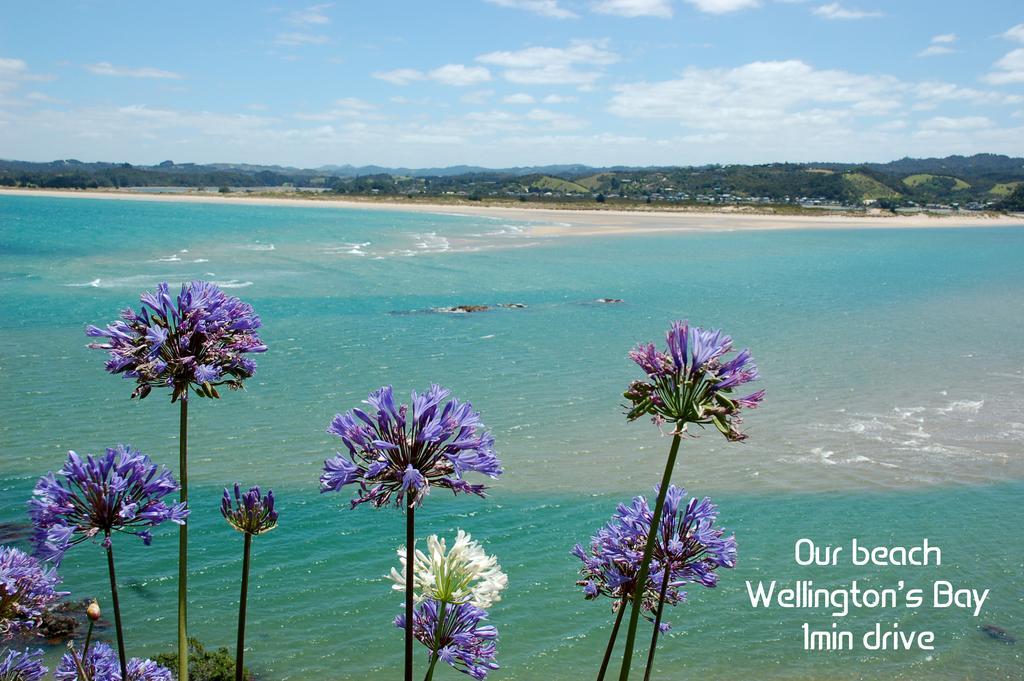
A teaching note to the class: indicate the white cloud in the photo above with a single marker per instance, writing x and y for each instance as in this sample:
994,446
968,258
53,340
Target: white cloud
11,72
558,99
143,124
105,68
296,39
940,45
895,124
44,98
555,120
347,107
553,65
546,8
759,96
961,123
492,115
723,6
12,67
14,72
477,97
1009,69
810,131
932,92
519,98
836,11
634,8
1016,33
767,111
310,16
399,76
460,75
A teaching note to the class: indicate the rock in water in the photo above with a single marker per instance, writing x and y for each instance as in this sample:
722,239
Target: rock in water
462,309
58,626
997,633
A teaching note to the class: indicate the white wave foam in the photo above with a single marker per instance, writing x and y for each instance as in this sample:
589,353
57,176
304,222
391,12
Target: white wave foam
95,283
818,455
131,281
432,242
349,248
257,247
963,407
232,283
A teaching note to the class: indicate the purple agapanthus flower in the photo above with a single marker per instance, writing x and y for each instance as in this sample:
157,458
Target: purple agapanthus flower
101,664
693,382
689,546
199,339
22,666
395,451
463,641
250,513
27,588
118,491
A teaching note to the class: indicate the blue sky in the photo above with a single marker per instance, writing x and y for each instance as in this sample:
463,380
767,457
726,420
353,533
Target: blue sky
511,82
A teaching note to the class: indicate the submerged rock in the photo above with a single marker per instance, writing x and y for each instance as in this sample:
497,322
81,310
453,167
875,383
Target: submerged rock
997,633
463,309
610,301
58,626
66,621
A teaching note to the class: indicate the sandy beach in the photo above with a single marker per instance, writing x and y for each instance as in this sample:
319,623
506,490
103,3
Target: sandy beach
570,222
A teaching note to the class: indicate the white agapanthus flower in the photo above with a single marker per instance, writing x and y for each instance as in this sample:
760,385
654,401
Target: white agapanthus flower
464,574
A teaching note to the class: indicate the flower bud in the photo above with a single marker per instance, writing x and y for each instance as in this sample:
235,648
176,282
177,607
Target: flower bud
93,611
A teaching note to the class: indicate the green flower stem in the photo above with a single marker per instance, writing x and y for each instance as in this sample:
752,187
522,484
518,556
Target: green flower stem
117,608
611,640
240,649
80,660
183,546
430,669
437,640
657,624
88,640
410,560
641,581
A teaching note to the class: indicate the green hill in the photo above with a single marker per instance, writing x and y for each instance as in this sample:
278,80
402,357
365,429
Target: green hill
1004,188
593,182
920,179
557,184
868,188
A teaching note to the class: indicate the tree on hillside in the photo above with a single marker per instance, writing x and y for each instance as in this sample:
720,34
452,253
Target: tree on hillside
1015,201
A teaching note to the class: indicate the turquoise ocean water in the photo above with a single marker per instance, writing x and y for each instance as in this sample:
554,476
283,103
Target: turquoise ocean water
892,360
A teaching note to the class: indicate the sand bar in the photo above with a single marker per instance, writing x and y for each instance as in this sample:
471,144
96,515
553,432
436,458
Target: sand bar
573,222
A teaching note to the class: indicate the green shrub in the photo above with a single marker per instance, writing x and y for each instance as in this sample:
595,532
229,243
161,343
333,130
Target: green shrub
204,665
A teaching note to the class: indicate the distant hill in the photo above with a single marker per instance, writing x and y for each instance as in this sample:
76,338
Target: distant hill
979,181
867,188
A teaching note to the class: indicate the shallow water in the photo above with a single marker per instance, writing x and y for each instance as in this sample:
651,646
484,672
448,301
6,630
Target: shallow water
892,361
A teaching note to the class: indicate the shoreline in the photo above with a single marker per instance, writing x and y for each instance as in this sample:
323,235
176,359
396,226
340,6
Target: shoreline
575,222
